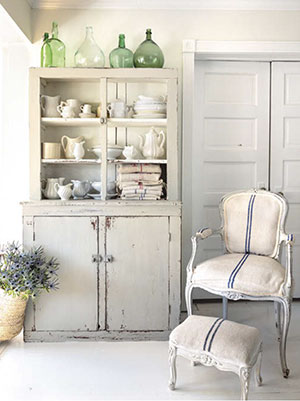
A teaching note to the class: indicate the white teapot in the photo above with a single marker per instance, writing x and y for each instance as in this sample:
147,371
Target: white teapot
131,152
49,192
152,147
64,191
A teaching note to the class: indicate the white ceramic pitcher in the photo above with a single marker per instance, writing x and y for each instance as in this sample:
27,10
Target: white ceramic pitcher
78,150
63,191
49,192
49,105
152,144
80,189
68,145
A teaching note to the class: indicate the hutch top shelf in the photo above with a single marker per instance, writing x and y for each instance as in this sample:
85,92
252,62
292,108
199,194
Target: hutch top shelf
100,86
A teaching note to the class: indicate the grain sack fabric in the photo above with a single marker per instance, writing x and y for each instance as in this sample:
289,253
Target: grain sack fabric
252,223
223,339
249,274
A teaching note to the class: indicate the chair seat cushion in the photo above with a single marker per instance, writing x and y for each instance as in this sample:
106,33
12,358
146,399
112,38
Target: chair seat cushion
249,274
225,340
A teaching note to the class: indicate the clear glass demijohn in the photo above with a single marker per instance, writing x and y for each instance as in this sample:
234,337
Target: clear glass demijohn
89,53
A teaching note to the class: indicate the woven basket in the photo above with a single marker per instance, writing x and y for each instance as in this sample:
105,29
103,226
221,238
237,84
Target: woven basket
12,313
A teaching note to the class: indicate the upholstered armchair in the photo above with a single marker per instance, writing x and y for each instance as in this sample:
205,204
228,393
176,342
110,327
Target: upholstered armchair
253,229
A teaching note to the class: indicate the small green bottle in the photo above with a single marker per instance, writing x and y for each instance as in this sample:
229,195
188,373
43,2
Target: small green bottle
46,53
57,47
148,54
121,57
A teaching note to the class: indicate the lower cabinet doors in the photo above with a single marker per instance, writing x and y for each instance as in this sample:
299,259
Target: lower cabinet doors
114,274
73,241
137,276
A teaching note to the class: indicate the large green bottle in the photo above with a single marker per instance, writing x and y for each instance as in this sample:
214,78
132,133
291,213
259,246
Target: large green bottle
121,57
46,53
148,54
57,47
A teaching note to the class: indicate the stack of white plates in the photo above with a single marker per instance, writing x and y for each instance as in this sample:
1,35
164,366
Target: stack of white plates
150,107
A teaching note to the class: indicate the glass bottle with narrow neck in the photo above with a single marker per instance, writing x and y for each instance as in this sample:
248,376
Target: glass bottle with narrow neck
89,53
46,53
121,57
148,54
57,47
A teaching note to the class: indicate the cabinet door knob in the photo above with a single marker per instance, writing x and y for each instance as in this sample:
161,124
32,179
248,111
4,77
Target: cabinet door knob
103,120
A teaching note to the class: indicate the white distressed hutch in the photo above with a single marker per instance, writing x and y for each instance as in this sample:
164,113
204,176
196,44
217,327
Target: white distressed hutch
119,260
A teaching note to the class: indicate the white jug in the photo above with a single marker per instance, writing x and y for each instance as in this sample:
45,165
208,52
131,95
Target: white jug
78,150
131,152
49,192
68,145
152,146
49,106
64,191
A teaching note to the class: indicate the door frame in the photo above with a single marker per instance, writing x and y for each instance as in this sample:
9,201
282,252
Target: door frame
198,50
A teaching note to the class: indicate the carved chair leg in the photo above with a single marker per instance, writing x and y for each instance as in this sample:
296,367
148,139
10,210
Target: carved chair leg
225,308
244,380
172,365
258,378
188,298
278,323
286,316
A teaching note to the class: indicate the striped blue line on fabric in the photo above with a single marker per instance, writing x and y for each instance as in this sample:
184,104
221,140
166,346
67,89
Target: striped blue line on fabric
209,331
213,336
236,272
241,261
249,224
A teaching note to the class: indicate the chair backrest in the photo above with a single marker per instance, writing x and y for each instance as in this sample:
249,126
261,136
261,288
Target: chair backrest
253,221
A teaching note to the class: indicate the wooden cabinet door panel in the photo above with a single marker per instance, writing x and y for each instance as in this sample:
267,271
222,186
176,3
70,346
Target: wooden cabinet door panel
137,277
73,241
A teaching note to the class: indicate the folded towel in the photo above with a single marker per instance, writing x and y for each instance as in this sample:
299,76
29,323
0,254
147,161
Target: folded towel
153,177
139,184
141,197
139,168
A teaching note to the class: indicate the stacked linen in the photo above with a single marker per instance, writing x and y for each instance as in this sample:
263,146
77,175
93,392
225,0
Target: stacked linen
150,107
140,181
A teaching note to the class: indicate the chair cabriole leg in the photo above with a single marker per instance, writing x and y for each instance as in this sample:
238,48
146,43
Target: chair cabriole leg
244,380
286,316
172,365
258,378
278,323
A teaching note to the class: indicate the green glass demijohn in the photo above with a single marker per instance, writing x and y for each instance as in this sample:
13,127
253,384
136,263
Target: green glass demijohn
89,53
46,53
58,48
121,57
148,54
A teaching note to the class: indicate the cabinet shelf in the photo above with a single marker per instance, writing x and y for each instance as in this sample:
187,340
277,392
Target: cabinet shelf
95,122
71,161
141,161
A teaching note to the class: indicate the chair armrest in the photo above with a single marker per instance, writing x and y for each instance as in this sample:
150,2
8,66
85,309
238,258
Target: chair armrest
201,234
288,240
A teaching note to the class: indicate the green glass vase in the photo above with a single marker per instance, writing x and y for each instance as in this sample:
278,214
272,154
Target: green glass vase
148,54
121,57
57,47
46,53
89,53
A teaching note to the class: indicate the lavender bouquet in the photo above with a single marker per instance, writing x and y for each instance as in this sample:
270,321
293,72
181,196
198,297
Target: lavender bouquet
27,272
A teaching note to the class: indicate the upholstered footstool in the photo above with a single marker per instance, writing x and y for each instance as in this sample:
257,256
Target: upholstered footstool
212,341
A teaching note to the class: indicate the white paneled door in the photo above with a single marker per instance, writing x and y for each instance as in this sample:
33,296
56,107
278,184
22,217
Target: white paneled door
230,141
285,147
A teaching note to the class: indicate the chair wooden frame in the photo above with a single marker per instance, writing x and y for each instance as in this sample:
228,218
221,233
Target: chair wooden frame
282,303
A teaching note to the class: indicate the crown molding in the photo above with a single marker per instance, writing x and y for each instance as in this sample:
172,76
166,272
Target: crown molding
271,5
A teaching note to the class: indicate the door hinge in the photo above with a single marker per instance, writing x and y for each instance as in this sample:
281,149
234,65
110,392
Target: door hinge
96,258
94,223
170,237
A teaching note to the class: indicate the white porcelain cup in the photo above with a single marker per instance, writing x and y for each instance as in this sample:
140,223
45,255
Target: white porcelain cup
66,111
74,103
86,108
118,109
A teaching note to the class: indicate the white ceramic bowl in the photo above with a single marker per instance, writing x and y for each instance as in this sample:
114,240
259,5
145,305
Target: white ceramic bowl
111,186
113,151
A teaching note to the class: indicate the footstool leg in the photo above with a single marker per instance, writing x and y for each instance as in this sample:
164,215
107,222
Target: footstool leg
244,379
225,308
258,377
172,364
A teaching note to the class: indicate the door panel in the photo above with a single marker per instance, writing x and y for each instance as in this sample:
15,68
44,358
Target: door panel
137,278
285,147
230,140
73,241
